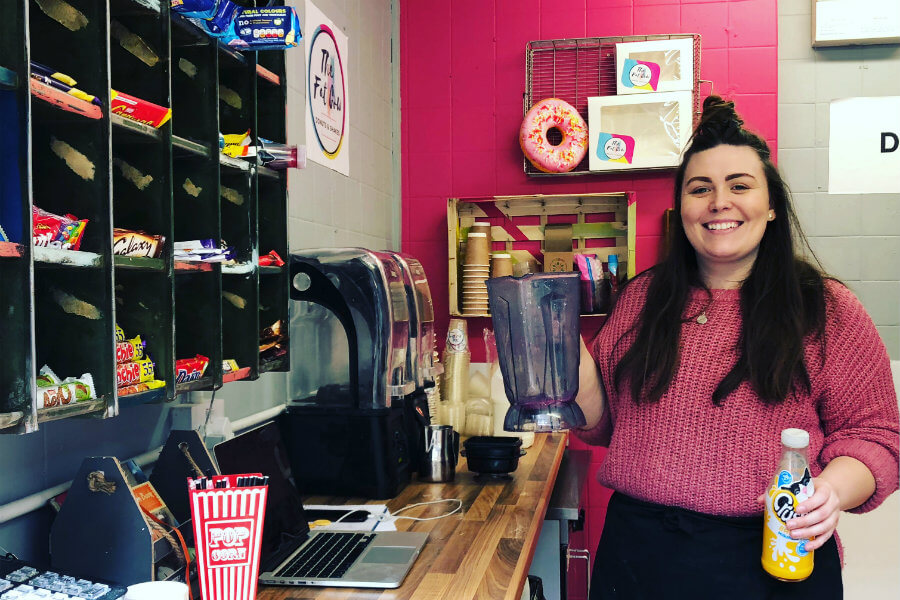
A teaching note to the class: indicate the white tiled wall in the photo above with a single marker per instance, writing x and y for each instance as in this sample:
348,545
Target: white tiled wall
856,237
328,209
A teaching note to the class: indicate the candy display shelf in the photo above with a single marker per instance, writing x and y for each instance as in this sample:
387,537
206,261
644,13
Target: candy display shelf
110,171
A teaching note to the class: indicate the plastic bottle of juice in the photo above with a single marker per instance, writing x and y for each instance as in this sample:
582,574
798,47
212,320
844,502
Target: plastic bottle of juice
783,557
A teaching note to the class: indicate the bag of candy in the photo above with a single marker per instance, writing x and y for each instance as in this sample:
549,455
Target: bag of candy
54,231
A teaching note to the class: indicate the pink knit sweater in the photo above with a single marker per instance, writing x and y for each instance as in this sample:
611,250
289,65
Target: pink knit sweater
685,451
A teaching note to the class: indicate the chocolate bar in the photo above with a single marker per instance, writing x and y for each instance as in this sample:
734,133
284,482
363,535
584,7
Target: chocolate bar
137,371
137,243
68,391
130,350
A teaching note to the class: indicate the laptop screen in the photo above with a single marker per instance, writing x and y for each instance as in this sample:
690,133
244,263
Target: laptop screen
260,450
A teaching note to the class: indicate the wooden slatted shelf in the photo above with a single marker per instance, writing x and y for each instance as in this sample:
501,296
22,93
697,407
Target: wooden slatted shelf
139,262
66,258
71,410
267,75
190,146
148,397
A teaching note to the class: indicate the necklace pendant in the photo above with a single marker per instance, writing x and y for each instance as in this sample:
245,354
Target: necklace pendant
702,318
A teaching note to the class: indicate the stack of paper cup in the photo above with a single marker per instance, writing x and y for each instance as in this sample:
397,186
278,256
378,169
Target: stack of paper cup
501,265
476,269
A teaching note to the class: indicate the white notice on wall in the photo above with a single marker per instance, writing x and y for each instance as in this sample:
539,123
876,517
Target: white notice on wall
864,146
857,20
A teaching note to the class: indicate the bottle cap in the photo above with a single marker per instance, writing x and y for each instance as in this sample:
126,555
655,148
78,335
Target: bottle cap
795,438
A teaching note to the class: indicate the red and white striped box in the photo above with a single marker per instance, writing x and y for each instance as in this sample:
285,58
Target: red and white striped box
228,526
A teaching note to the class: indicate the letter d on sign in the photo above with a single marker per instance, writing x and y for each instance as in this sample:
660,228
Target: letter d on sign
885,136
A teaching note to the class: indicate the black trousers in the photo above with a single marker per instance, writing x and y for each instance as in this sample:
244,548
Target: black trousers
651,551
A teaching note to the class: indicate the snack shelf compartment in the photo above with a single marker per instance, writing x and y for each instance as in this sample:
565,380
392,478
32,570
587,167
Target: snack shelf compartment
142,189
190,147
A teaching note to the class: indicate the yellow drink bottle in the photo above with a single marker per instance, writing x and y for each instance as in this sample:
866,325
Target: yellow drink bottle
783,557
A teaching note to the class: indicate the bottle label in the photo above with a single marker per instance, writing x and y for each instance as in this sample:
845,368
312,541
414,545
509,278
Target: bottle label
783,556
456,340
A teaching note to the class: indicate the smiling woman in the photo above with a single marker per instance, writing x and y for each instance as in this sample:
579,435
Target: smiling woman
702,363
725,209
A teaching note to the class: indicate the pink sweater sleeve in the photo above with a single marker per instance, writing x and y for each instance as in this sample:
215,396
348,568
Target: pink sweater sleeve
859,404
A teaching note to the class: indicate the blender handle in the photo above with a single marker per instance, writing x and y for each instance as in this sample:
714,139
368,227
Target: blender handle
554,307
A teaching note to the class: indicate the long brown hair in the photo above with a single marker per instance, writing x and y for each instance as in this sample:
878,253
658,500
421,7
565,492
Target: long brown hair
782,300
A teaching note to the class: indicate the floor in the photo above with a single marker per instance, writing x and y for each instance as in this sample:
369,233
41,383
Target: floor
872,545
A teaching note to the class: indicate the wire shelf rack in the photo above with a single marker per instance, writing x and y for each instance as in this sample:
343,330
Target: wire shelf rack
576,69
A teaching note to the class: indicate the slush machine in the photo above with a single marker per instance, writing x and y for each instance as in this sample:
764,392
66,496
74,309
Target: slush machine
344,427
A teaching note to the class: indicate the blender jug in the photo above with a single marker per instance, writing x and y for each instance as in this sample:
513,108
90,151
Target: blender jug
536,325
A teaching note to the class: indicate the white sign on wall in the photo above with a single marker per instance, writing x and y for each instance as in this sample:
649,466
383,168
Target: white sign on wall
864,146
327,98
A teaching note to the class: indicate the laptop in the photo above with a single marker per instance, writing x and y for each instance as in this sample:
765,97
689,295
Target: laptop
292,554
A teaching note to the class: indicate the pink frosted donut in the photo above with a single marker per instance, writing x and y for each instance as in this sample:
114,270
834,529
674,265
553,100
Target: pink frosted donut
543,116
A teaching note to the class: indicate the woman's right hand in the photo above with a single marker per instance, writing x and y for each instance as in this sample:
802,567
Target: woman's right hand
591,398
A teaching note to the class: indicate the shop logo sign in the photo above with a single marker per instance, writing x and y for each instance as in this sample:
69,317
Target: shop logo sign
327,91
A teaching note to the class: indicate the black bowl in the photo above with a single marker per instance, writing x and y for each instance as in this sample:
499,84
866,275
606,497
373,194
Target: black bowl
492,455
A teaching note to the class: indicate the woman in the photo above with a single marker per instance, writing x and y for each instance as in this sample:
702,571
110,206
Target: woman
705,359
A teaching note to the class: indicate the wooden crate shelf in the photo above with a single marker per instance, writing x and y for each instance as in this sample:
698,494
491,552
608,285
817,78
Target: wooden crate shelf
602,224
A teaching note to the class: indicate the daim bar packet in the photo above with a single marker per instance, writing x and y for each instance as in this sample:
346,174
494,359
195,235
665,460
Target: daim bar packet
137,243
54,231
137,371
190,369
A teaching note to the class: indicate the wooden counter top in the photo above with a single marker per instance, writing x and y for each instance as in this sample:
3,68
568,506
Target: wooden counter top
483,551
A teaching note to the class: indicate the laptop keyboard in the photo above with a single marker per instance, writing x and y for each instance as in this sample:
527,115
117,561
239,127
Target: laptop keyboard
327,555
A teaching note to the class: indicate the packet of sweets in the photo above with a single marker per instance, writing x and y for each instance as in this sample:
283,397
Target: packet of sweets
137,388
46,377
129,350
137,243
137,371
229,365
196,9
136,109
120,334
53,231
67,392
270,28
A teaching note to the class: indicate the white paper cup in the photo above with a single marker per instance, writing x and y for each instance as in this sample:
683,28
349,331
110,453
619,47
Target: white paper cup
157,590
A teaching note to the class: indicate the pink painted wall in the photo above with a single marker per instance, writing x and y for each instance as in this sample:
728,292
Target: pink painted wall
462,78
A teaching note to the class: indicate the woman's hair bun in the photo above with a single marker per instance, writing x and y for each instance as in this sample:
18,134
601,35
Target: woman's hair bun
716,109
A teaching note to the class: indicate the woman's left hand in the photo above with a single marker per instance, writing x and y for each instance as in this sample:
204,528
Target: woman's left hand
820,515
